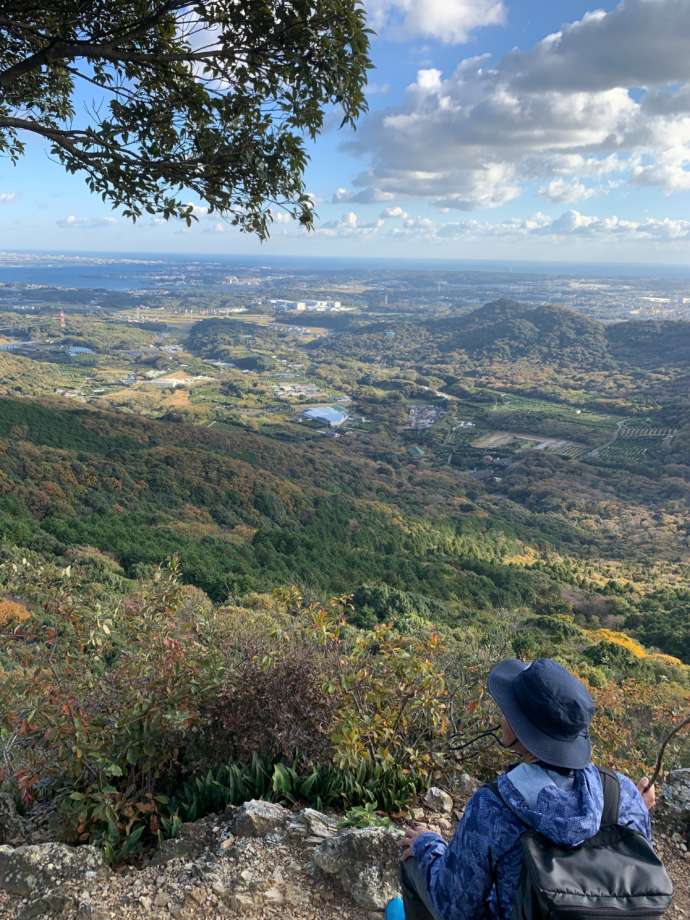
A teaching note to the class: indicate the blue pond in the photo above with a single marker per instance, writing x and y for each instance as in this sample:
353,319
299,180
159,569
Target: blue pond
329,414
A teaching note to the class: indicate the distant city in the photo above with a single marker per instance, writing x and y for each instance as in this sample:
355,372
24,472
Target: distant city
291,286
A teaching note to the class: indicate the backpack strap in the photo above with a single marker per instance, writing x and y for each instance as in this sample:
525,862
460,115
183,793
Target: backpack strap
612,797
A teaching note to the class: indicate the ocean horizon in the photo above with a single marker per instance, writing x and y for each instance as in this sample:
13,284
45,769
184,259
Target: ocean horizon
122,270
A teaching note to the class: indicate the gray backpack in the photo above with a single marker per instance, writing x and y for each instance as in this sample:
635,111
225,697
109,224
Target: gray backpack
616,873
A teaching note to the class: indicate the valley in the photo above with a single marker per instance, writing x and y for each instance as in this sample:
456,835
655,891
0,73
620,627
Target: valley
439,445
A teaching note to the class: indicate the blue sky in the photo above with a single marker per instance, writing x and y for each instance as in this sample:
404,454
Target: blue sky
497,129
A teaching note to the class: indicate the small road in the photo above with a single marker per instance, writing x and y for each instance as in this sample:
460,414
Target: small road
440,394
594,455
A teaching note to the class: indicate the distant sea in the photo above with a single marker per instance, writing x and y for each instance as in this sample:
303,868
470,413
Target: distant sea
119,271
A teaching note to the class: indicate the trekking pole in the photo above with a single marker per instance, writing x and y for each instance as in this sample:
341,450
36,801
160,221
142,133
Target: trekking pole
671,735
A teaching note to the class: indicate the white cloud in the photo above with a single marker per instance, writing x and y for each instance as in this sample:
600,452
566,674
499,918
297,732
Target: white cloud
395,213
429,80
7,197
72,222
607,96
369,195
349,226
378,89
396,224
573,223
570,224
641,43
570,164
671,171
449,21
567,191
422,228
489,186
218,227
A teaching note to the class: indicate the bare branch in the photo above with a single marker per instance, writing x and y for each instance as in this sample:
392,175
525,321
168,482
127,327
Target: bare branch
660,759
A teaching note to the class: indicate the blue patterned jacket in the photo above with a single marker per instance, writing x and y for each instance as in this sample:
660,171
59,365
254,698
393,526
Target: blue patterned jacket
476,875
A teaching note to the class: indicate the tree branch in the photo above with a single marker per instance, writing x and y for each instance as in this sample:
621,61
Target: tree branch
110,151
57,50
660,759
15,25
53,54
59,136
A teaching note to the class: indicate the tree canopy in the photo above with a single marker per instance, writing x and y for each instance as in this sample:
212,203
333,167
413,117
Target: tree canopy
156,99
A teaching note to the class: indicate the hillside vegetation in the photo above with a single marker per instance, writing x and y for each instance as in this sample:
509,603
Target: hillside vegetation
131,705
246,512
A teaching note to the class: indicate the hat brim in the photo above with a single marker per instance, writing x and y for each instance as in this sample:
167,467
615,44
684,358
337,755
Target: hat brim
571,755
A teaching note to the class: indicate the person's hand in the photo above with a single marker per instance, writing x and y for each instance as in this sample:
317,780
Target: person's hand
411,835
648,794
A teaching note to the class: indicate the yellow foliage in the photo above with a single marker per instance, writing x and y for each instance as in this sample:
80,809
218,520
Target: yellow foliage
528,556
618,638
288,599
634,647
257,601
667,659
13,612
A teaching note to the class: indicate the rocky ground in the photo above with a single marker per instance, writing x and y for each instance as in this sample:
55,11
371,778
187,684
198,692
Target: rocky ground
259,861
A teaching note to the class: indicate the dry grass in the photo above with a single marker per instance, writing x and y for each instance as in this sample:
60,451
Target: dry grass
13,612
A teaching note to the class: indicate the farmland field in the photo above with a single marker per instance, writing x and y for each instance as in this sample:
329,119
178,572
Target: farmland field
522,441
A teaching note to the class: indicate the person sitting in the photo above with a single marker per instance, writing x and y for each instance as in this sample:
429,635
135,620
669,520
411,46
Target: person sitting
555,789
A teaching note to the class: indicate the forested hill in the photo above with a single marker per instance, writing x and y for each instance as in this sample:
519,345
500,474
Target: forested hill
651,343
246,512
503,329
509,330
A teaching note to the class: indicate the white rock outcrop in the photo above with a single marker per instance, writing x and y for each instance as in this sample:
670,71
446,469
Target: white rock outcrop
32,870
259,819
366,864
438,800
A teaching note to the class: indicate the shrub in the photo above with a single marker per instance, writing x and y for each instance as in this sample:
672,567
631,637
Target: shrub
12,613
372,604
271,705
140,706
612,655
630,721
103,708
558,627
393,702
119,708
612,638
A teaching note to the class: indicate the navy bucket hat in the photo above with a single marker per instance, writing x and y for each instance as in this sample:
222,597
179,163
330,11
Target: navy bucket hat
548,708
